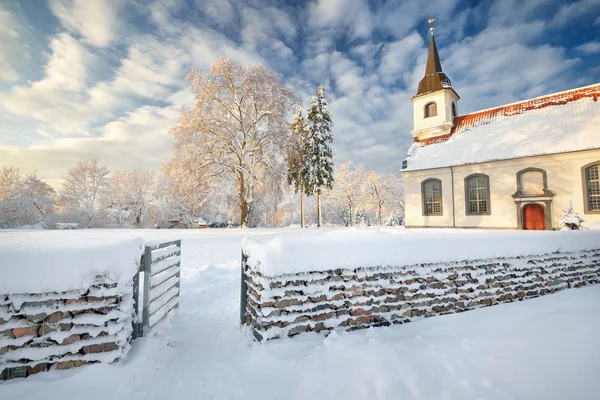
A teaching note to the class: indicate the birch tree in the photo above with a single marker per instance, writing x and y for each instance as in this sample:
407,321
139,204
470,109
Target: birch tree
237,128
319,156
82,187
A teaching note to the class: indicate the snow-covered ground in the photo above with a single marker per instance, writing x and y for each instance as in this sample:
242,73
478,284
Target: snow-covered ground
545,348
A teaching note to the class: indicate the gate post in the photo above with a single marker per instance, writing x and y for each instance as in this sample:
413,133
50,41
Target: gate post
244,290
146,299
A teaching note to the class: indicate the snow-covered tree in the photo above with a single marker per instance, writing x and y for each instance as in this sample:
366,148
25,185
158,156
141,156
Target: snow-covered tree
319,156
296,157
347,190
381,192
130,193
571,220
237,129
82,187
24,202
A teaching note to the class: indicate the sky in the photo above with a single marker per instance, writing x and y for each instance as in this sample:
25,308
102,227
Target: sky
105,79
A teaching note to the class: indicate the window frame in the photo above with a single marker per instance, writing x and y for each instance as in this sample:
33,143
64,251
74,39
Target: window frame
425,109
585,186
424,198
487,198
454,110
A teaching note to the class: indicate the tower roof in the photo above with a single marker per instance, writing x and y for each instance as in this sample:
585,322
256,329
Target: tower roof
434,79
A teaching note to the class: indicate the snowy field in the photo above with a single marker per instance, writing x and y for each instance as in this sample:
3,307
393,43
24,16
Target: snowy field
545,348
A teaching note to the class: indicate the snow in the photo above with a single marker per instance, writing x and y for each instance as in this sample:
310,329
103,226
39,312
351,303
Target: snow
545,348
47,261
556,128
397,247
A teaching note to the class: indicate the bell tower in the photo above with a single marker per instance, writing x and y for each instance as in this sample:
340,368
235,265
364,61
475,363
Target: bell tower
436,102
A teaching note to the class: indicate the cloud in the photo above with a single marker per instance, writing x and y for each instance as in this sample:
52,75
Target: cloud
56,99
13,53
399,57
101,93
571,12
592,47
138,140
95,21
352,16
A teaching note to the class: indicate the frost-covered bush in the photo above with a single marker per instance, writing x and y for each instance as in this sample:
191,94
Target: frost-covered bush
571,220
395,220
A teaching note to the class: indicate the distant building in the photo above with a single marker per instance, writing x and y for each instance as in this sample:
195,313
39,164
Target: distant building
510,167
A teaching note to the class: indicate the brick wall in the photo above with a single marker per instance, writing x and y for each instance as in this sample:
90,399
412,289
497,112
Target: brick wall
63,330
350,299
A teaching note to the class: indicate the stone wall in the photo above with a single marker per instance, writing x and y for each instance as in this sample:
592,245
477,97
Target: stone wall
357,298
63,330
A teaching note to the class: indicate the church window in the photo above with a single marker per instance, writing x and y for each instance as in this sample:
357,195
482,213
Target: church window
430,109
454,113
432,196
592,187
477,194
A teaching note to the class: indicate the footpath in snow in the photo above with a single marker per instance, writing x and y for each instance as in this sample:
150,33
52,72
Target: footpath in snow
544,348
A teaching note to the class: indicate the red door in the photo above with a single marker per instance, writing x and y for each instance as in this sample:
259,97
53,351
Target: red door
533,217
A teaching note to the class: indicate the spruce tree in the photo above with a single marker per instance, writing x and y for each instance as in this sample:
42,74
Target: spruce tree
295,158
318,172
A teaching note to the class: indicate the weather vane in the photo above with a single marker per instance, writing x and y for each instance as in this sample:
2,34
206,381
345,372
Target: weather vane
431,21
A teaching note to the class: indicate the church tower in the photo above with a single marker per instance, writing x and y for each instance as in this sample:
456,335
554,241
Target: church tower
436,102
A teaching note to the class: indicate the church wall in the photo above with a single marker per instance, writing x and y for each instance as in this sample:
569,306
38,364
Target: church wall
564,179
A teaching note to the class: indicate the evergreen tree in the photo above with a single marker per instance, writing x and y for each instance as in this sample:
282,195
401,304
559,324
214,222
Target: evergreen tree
319,156
571,220
295,158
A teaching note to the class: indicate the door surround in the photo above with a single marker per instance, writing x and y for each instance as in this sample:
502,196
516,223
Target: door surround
523,199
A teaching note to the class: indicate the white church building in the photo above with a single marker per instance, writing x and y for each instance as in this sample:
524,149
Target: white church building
515,166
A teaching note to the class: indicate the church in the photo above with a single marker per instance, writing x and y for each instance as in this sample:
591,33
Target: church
515,166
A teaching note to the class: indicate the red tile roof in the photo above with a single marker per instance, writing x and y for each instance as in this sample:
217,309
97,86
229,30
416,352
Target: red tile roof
466,122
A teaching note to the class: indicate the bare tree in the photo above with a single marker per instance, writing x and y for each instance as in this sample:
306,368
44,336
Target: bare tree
82,187
383,191
347,187
131,192
10,180
28,201
236,128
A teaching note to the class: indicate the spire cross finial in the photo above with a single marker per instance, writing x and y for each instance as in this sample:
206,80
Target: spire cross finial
431,21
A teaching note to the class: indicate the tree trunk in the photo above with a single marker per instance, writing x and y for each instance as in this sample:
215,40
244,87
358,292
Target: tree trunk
379,215
301,210
318,209
351,215
243,203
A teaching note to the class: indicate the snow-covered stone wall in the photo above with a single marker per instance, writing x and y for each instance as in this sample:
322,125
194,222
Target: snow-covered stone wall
65,307
286,304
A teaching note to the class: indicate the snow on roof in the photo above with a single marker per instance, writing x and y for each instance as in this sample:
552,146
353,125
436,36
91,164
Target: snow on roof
556,123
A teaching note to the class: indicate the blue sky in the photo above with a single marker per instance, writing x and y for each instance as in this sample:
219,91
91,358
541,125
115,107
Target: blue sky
84,79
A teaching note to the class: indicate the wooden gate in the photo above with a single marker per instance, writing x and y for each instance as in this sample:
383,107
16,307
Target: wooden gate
534,217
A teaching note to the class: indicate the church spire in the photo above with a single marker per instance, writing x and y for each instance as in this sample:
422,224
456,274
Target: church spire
434,78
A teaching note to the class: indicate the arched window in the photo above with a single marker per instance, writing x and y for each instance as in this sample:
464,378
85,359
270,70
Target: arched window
431,191
591,174
477,194
454,112
430,109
